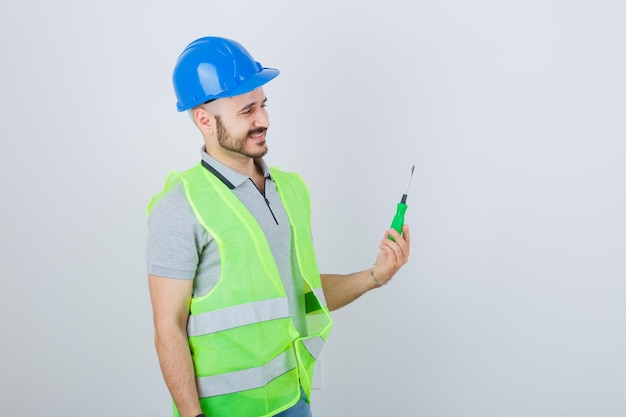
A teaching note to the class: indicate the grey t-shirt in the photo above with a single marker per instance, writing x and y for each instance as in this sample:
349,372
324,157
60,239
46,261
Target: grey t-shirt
179,247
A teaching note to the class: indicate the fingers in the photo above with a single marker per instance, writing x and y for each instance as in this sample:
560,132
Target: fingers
392,233
399,247
406,234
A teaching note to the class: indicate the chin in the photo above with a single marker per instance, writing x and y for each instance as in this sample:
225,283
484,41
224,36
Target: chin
259,152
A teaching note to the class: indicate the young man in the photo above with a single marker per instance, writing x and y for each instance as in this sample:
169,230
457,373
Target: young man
240,309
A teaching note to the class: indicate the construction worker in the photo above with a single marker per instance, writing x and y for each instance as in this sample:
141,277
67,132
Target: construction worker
241,311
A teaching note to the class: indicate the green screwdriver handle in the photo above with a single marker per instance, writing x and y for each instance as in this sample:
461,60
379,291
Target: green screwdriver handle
398,219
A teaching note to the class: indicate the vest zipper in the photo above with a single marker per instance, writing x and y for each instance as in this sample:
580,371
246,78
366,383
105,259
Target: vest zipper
266,200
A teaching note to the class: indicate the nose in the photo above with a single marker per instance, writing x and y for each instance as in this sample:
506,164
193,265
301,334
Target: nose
262,118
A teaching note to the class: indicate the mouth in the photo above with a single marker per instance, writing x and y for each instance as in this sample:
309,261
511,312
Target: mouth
257,135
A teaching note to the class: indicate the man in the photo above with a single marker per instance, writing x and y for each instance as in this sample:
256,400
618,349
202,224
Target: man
240,308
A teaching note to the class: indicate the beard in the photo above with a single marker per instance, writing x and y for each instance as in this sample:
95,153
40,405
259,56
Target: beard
238,144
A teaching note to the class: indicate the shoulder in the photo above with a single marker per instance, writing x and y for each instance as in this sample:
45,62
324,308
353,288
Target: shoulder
172,215
172,203
175,237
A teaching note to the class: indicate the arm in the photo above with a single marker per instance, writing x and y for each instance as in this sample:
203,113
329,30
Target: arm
341,290
170,306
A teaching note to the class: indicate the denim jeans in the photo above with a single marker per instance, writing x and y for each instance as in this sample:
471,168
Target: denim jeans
300,409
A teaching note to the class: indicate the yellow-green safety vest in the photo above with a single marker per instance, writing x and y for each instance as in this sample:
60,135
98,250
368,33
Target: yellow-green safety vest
249,358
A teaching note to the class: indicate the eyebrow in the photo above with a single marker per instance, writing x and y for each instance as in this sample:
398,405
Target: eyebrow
251,105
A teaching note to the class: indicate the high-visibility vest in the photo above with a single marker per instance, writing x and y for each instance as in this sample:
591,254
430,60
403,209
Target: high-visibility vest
249,358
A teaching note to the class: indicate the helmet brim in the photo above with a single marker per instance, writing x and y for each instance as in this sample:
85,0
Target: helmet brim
252,83
259,79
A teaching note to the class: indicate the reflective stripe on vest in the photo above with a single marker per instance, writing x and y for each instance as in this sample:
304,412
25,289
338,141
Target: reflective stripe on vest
209,386
244,314
314,345
236,316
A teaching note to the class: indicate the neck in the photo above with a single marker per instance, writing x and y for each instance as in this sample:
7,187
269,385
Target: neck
244,165
252,170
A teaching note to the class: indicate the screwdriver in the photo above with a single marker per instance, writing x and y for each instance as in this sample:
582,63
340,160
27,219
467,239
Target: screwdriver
398,219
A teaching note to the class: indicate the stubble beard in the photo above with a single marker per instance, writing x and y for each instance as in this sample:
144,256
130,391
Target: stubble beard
237,145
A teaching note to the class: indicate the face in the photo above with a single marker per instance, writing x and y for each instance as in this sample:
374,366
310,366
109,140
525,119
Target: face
241,125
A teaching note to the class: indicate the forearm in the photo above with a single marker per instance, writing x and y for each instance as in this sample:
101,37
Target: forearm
177,368
340,290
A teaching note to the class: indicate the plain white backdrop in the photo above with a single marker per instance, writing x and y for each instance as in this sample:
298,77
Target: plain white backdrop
513,112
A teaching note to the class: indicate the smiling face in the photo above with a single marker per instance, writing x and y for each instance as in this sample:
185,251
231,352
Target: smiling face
240,125
250,144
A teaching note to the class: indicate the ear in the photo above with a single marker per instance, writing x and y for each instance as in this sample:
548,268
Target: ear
204,120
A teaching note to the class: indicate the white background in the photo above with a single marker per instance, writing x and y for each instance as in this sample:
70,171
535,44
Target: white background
513,112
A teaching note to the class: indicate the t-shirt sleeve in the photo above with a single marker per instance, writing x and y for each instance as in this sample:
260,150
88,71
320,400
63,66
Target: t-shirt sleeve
175,238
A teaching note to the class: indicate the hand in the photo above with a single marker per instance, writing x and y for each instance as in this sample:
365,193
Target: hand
393,254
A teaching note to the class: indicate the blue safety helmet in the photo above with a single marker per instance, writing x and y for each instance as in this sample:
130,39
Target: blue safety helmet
211,68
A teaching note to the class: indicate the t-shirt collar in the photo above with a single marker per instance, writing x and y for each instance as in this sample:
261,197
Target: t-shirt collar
227,175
